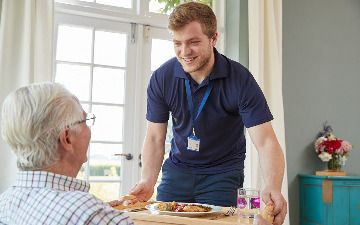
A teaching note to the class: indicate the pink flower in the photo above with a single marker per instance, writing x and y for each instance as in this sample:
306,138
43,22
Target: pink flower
339,151
319,147
346,146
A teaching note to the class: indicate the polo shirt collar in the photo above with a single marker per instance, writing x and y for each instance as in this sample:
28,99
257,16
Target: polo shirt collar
220,69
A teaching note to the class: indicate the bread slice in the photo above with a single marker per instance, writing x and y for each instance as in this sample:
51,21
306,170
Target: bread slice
267,213
136,205
128,197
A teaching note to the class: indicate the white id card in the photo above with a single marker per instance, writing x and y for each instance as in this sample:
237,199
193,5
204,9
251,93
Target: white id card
193,143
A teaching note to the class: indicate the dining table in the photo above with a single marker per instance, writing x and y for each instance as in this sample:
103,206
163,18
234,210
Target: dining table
145,217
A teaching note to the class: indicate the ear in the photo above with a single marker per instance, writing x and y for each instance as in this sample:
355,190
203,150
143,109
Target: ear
214,38
64,140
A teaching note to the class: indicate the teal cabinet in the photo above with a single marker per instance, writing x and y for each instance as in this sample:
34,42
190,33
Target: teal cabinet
326,200
355,204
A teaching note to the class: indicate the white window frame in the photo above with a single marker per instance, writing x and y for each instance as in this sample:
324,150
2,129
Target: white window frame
130,81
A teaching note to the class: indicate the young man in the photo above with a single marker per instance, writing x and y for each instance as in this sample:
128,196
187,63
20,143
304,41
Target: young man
211,98
48,131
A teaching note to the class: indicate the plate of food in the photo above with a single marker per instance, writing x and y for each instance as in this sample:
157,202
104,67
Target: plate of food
182,209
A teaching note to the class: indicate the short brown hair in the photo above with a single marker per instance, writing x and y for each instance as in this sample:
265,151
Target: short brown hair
188,12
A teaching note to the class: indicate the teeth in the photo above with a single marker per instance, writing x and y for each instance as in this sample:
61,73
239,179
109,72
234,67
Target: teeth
188,59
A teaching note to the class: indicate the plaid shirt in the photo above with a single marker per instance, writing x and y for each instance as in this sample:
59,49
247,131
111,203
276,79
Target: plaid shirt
40,197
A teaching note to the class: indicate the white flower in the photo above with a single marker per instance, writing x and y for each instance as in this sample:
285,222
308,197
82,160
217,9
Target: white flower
325,157
343,159
331,136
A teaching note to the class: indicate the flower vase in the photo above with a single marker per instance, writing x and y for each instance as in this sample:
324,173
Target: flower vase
334,164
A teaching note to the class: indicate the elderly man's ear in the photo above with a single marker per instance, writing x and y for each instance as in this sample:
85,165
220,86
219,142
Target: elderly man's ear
65,140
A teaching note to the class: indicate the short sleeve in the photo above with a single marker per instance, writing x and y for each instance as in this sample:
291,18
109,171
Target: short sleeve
253,107
157,109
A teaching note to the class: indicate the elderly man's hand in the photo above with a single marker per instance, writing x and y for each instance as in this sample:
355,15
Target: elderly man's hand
275,197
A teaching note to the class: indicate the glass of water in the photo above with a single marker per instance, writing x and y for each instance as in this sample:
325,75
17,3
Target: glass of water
248,202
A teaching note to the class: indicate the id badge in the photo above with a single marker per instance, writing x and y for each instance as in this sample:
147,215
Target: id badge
193,143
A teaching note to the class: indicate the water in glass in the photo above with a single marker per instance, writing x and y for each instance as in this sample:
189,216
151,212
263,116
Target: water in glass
248,202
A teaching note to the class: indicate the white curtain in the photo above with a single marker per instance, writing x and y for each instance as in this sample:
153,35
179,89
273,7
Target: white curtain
26,56
265,62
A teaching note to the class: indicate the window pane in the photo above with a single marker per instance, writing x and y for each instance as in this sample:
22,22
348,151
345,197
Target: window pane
102,161
169,136
118,3
110,48
75,78
86,107
159,7
105,191
82,171
167,148
108,85
109,123
74,44
169,133
161,51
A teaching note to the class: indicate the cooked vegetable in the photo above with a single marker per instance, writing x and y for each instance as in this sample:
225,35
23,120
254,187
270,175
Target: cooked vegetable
183,207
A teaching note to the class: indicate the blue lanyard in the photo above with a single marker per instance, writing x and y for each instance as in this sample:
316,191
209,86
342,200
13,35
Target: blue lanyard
190,102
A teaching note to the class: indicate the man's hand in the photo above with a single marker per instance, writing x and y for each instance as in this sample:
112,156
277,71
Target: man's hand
124,200
260,221
275,197
143,190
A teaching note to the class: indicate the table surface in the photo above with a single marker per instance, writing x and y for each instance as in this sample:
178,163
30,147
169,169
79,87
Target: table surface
146,218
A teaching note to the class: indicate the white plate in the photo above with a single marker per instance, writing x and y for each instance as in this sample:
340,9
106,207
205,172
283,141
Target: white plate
154,210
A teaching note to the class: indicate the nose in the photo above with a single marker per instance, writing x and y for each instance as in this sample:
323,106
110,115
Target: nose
185,50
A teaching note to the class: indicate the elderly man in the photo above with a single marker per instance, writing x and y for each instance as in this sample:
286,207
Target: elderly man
49,132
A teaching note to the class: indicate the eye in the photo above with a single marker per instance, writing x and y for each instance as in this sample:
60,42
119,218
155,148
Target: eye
195,42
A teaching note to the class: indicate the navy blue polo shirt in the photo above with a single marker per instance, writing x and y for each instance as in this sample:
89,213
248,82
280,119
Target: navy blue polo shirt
235,101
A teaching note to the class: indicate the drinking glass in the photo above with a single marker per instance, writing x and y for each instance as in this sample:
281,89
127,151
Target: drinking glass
248,202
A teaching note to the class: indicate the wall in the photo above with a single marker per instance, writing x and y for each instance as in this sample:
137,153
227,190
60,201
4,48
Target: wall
321,75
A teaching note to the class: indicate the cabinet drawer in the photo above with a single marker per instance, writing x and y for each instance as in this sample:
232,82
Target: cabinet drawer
312,209
339,209
354,205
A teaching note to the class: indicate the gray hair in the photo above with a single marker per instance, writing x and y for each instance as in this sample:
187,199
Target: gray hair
32,119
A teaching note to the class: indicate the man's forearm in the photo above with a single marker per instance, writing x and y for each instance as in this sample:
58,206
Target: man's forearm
152,158
271,157
272,164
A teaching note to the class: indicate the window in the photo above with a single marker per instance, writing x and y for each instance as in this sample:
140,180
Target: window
106,51
91,61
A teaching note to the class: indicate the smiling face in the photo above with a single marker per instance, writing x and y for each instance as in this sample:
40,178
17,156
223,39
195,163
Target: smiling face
194,49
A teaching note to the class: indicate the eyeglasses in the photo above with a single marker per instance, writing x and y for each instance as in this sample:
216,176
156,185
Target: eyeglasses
90,120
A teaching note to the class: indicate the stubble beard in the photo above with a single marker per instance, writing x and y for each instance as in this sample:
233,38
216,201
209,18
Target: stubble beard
199,65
